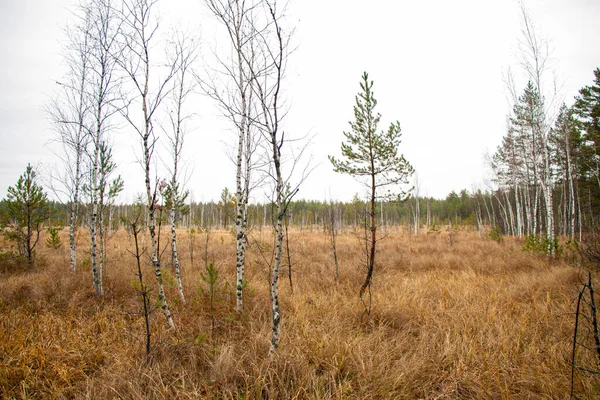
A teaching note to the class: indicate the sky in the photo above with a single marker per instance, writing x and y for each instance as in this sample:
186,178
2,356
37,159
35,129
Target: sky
438,68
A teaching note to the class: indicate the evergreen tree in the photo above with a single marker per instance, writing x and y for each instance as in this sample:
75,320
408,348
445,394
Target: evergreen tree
587,111
372,157
26,209
566,144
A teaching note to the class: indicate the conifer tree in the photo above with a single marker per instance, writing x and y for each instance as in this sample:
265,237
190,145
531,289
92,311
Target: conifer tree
587,111
26,210
373,158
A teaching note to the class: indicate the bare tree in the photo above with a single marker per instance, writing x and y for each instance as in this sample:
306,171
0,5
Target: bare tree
184,56
535,62
83,113
268,72
103,89
69,112
149,90
234,94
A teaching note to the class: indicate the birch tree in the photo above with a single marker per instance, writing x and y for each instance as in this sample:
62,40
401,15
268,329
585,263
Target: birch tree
95,106
268,70
69,112
524,161
184,56
535,60
566,140
373,158
235,96
149,89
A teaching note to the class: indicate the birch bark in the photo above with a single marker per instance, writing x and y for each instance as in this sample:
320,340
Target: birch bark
240,19
139,29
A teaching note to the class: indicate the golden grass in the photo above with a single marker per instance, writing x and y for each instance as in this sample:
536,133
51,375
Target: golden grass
475,319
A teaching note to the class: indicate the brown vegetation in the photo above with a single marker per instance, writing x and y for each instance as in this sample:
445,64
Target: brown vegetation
461,319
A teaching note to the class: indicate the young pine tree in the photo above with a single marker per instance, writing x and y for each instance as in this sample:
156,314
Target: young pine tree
373,158
26,211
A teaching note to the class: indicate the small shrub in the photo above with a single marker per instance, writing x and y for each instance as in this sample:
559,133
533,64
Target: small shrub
53,240
540,245
210,278
201,338
11,262
496,235
433,229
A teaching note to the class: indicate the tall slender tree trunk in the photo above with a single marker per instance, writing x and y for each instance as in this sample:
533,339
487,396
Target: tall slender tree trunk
74,209
417,214
428,214
372,241
570,179
511,216
518,211
175,254
276,314
241,220
96,273
101,244
549,201
152,225
240,253
72,228
506,221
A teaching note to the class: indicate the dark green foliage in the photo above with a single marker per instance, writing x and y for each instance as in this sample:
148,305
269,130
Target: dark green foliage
587,112
371,154
495,234
25,211
174,197
210,278
373,158
53,240
540,244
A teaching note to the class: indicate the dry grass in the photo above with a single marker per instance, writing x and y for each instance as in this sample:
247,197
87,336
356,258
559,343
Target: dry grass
471,320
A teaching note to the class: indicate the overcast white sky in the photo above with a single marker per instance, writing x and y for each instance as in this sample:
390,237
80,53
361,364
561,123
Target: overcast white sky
437,65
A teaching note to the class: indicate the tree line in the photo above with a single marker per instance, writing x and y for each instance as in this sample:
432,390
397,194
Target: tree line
563,160
122,73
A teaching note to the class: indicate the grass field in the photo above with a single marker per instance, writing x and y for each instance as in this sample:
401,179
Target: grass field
466,318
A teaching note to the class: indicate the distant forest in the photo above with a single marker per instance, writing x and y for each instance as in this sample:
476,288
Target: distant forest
478,210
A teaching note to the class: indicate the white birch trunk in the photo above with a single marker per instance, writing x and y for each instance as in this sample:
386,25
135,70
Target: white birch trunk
518,211
175,255
152,229
549,201
96,278
101,244
72,228
138,28
511,217
276,314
